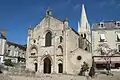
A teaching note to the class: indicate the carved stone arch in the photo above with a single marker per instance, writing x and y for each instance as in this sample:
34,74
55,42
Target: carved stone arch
46,62
60,66
44,56
60,61
46,31
33,49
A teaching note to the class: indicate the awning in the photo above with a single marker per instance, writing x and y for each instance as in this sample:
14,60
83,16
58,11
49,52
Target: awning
113,59
102,36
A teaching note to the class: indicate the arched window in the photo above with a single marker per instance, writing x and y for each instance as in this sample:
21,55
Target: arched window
48,39
84,36
61,39
60,47
33,51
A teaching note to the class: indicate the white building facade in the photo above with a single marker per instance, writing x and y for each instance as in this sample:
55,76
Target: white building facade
106,32
11,51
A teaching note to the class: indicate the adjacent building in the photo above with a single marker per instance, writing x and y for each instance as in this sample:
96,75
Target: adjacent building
11,51
106,32
54,47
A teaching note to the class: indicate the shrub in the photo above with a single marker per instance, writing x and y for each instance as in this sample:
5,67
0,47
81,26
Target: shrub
8,62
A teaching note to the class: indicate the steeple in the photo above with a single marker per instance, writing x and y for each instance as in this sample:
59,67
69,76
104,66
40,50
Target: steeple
84,25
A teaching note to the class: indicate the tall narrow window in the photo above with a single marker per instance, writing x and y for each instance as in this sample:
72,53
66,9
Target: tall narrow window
102,37
84,36
61,39
118,48
118,37
48,39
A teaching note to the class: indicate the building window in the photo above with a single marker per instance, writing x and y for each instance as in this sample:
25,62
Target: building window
33,51
61,48
61,39
102,38
118,24
48,39
8,51
79,57
118,37
101,25
84,36
118,48
34,41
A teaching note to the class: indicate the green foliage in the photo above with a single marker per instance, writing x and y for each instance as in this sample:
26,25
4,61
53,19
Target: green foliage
84,68
8,62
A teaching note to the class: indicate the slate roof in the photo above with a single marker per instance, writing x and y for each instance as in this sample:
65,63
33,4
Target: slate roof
17,45
107,25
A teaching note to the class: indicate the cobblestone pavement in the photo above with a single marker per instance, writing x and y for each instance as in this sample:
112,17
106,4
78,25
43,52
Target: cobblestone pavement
115,76
4,77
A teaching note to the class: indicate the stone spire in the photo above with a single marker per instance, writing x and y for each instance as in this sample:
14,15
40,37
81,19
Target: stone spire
84,25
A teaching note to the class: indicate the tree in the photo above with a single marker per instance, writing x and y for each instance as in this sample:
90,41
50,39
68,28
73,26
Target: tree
106,52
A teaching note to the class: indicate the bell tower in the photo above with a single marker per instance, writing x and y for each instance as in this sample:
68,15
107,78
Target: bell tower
84,26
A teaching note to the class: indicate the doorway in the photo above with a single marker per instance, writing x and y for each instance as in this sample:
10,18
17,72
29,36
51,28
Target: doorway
60,68
36,67
47,65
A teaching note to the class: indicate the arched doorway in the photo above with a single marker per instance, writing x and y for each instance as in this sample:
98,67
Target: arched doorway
47,65
36,67
60,68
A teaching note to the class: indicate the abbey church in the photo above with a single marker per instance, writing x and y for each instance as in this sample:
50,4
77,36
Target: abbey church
54,47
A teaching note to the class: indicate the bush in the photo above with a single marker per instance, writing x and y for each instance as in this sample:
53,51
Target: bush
84,68
8,62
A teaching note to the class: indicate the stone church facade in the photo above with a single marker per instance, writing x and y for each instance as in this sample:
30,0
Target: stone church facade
54,47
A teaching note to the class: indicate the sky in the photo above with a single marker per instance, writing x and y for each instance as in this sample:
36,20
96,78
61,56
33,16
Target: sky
16,16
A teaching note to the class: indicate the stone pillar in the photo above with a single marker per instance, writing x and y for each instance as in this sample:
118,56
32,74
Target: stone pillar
54,57
65,46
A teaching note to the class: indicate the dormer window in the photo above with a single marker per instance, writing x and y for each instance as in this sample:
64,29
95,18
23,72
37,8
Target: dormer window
117,24
101,24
